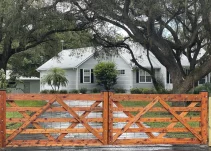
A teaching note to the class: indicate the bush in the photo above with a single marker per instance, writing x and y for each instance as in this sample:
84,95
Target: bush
45,91
165,91
142,91
75,91
83,90
95,90
63,91
106,74
148,91
204,87
53,92
135,91
119,90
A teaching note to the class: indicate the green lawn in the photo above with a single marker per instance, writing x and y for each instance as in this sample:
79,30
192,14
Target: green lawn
18,115
162,114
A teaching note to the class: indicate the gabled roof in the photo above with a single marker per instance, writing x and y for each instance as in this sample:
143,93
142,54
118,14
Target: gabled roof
67,60
143,60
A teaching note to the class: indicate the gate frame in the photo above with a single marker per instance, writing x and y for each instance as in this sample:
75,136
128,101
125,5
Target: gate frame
107,134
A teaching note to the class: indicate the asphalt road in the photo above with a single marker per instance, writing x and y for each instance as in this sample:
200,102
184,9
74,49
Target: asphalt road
118,148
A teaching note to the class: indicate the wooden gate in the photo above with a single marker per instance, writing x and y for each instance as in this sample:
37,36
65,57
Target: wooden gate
102,119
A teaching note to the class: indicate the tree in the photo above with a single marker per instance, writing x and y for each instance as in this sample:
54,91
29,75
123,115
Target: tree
55,78
3,81
35,57
168,29
106,74
27,24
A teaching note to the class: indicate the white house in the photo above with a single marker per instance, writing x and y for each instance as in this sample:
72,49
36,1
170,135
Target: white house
79,70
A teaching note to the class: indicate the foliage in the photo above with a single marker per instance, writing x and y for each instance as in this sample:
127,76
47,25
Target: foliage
27,24
45,91
35,57
119,90
142,91
3,81
74,91
63,91
83,90
173,31
55,78
106,74
96,90
204,87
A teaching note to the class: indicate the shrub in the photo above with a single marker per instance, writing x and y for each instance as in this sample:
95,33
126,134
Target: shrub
53,92
96,90
165,91
83,90
45,91
135,91
106,74
148,91
204,87
142,91
75,91
63,91
119,90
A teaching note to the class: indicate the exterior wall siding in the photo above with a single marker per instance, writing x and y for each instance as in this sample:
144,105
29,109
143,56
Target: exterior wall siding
123,80
89,64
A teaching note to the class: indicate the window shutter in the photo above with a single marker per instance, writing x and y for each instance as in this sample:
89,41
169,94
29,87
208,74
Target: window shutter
81,75
167,77
92,76
137,76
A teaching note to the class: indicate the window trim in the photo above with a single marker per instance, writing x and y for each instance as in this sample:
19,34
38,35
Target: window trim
120,73
145,77
87,76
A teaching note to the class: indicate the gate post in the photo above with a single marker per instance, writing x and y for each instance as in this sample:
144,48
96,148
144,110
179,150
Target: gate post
105,117
204,117
2,119
110,116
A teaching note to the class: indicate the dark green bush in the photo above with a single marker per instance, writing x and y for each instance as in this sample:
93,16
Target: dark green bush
164,91
63,91
148,91
119,90
53,92
83,90
96,90
142,91
74,91
135,91
45,91
204,87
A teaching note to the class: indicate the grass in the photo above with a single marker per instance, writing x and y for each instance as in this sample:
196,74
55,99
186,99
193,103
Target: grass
162,114
24,103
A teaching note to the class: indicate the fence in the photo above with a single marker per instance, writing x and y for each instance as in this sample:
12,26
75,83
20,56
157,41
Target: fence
102,119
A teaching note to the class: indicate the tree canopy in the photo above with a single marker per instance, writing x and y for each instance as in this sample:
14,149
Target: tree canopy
27,24
168,29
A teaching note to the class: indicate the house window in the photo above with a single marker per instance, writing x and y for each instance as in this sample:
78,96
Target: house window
202,80
87,76
144,77
121,71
